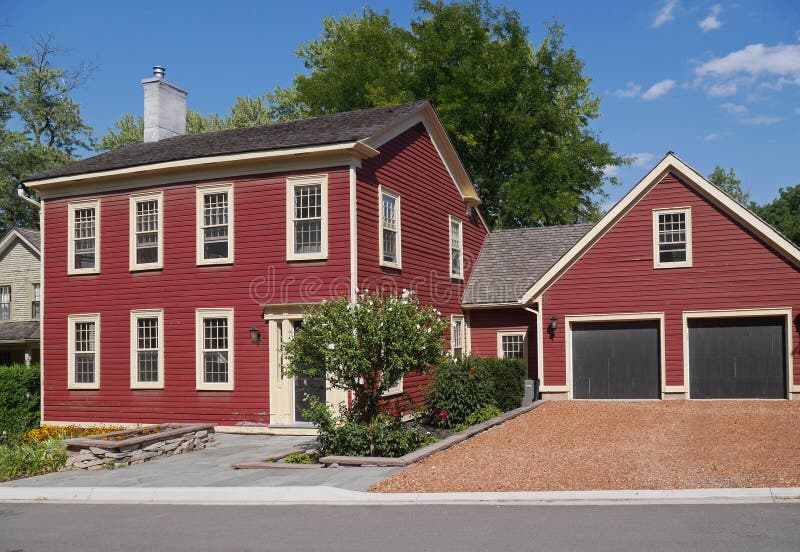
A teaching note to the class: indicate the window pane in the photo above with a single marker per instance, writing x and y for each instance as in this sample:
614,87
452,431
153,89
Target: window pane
457,337
215,209
84,234
216,242
215,350
35,302
308,201
5,303
215,367
308,236
513,346
84,337
672,237
455,261
389,246
215,225
672,253
147,366
84,367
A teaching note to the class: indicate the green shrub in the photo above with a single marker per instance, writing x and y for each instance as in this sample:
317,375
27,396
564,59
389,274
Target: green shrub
25,459
480,415
298,458
343,435
508,380
461,387
19,397
455,391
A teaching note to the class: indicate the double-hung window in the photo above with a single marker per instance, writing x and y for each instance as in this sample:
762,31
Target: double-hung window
511,345
214,329
36,301
307,217
389,236
147,349
146,234
5,302
457,336
672,238
215,224
456,249
84,237
83,341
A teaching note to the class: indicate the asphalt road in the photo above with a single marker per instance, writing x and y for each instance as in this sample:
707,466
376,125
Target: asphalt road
35,527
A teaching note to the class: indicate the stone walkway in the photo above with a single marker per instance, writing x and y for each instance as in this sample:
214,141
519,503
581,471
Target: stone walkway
211,468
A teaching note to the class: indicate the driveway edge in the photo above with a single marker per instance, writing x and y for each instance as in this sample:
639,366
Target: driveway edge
322,495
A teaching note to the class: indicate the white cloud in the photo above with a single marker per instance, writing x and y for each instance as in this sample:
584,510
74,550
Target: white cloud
642,159
665,15
712,22
611,171
631,91
722,89
734,109
711,137
658,89
797,110
760,120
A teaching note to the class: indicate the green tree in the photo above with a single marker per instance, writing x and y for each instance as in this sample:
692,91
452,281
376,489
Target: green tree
518,114
784,213
728,182
42,126
366,347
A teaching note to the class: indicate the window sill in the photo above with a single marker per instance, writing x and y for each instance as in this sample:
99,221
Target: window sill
393,266
214,387
146,268
672,265
83,387
312,257
215,262
147,387
83,272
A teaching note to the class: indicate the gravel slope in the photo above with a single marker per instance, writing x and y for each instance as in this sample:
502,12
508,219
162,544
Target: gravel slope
588,445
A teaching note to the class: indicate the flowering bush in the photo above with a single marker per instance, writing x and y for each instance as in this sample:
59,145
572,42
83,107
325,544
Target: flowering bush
64,432
366,347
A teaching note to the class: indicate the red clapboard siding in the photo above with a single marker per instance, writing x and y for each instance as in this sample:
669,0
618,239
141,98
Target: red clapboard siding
732,269
485,324
410,166
259,275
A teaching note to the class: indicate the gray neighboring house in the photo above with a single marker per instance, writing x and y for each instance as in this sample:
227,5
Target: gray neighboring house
20,296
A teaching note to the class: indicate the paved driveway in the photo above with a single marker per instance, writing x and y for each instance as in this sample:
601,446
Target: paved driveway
211,468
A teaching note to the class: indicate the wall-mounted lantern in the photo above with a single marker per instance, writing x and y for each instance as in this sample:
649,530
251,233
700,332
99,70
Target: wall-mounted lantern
553,326
255,335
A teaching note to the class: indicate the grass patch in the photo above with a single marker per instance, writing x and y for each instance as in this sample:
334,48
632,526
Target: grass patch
22,459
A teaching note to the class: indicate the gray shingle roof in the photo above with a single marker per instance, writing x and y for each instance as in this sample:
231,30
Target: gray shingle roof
511,261
19,331
330,129
33,236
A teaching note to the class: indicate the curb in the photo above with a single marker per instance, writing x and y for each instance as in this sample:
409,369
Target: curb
323,495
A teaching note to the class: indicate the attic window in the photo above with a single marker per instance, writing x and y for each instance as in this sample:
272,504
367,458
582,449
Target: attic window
672,238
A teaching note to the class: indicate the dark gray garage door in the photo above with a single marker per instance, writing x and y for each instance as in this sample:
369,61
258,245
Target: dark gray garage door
616,360
737,358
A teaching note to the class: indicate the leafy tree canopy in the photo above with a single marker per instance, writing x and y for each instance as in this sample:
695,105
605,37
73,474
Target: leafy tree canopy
784,213
728,182
40,124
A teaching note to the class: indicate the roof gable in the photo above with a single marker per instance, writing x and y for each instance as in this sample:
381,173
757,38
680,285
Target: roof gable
31,238
669,164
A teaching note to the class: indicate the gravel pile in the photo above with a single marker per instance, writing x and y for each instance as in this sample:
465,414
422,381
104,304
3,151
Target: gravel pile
581,445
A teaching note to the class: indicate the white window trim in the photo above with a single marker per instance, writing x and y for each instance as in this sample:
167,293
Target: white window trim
291,182
71,236
33,298
135,316
687,211
200,314
211,189
72,319
460,274
136,198
10,300
453,319
501,335
382,192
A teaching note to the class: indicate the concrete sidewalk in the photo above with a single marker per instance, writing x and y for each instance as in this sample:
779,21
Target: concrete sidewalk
212,468
326,495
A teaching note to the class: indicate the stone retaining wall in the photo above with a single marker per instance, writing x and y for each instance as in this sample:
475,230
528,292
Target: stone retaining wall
95,453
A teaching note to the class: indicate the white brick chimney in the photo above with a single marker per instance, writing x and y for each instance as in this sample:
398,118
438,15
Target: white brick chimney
164,107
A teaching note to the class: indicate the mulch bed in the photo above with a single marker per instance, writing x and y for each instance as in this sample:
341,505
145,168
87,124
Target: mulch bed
581,445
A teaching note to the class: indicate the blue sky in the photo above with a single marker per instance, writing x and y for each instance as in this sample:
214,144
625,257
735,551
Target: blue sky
716,82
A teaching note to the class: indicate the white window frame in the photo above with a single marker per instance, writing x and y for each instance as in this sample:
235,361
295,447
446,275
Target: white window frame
398,239
34,285
501,335
200,315
451,220
687,212
135,316
201,192
74,206
453,319
134,200
72,319
10,301
291,183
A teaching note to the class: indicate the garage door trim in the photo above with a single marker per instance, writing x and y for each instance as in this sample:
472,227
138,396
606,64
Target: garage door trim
621,317
785,312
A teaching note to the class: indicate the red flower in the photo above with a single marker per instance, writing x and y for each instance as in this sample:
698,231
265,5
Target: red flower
395,414
443,415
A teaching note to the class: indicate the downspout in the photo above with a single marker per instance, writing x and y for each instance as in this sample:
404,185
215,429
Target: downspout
24,197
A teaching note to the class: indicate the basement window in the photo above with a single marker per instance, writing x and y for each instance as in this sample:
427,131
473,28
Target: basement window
672,238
